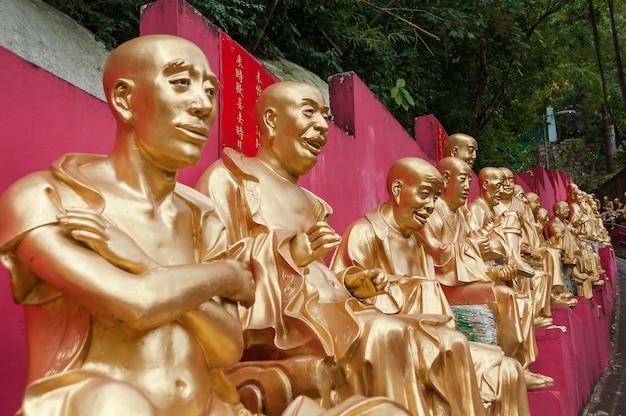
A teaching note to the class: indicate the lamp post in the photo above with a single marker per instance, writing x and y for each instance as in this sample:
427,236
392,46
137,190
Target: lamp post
549,120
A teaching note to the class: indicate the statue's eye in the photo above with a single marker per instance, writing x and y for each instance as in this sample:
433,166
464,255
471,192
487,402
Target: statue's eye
181,81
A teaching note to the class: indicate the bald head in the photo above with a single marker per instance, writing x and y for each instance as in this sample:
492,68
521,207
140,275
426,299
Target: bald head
462,146
572,192
457,176
491,181
141,60
542,216
413,185
277,97
561,209
534,202
490,173
452,164
412,170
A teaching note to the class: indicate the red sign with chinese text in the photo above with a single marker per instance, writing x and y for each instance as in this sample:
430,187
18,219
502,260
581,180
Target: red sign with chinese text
243,79
440,137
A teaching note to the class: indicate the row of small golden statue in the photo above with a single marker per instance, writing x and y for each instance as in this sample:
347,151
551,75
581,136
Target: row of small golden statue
612,211
142,295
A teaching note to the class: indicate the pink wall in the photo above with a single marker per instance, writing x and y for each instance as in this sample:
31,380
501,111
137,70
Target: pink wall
42,117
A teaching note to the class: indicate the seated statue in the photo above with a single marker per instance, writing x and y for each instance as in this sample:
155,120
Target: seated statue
580,215
301,308
503,227
539,286
128,297
608,213
504,234
380,249
582,261
550,257
459,264
602,232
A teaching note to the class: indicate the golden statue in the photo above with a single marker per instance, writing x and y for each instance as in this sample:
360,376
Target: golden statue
581,260
383,250
127,295
459,264
580,215
543,217
535,243
504,233
504,226
69,232
301,307
539,286
602,232
462,146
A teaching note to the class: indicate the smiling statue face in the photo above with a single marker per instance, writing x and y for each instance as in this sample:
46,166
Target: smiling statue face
173,104
300,128
413,186
562,210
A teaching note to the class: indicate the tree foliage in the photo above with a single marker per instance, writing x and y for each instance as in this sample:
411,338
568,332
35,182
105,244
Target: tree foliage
486,67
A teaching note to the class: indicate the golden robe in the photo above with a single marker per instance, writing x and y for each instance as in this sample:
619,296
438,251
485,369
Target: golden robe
549,275
371,243
483,221
81,349
307,310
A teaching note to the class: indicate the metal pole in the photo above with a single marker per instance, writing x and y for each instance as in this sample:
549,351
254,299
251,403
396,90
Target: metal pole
545,142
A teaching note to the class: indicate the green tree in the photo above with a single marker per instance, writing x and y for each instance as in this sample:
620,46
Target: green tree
487,67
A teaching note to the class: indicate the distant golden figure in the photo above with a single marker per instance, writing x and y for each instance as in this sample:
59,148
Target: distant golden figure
550,257
504,233
462,146
301,306
459,264
582,261
580,215
384,251
539,287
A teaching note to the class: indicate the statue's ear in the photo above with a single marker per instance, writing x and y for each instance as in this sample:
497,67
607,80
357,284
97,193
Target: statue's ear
454,151
446,177
484,185
121,99
396,187
269,119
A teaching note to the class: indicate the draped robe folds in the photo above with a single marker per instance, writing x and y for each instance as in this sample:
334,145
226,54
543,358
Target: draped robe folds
522,346
80,350
413,359
549,276
575,252
581,218
367,244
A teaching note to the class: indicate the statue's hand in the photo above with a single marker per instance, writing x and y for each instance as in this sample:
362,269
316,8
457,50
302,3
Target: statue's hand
105,238
525,248
483,245
240,287
315,243
503,272
366,283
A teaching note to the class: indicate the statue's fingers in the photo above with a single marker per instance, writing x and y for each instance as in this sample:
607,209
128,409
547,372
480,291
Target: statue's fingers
87,236
85,224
